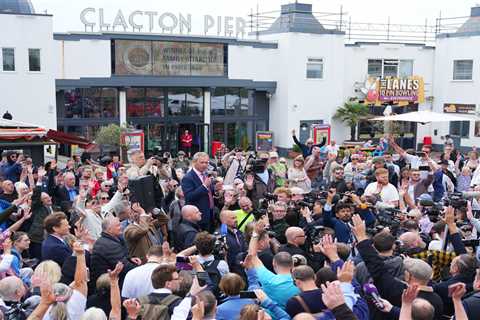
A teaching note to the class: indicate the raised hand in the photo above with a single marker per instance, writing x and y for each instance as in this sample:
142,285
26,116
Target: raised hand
346,272
133,308
77,248
410,294
198,310
332,295
114,274
329,248
359,229
457,290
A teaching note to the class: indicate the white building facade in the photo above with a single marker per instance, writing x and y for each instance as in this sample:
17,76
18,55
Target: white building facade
292,76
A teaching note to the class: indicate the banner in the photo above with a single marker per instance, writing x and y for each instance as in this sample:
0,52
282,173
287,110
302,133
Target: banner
459,108
394,89
134,140
169,58
264,140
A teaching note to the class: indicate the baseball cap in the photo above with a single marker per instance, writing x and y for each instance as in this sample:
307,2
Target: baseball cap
273,154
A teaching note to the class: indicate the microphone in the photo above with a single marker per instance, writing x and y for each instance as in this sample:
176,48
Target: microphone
223,230
371,291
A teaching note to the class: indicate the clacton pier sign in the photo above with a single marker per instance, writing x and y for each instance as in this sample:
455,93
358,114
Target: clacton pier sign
97,19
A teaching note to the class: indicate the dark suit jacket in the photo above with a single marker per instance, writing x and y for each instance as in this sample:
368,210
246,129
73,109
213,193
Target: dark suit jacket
59,194
196,194
56,250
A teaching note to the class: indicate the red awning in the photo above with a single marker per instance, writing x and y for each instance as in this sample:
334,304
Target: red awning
66,138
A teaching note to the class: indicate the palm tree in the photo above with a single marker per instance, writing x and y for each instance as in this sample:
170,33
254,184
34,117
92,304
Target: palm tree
351,113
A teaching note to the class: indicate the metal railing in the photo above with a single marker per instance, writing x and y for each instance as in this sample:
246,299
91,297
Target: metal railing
259,23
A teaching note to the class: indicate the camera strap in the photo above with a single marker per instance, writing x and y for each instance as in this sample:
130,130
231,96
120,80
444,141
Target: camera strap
244,220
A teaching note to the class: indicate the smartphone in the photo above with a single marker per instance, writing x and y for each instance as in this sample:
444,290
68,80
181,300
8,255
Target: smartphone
424,168
248,295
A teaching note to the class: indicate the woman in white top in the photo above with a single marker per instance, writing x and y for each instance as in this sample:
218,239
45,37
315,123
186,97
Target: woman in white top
297,176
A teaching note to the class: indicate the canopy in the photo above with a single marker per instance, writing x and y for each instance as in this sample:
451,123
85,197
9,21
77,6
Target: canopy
66,138
424,116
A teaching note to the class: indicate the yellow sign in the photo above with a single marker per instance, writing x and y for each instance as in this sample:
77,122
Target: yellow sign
401,91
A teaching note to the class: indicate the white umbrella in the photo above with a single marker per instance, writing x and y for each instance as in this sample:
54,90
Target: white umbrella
424,116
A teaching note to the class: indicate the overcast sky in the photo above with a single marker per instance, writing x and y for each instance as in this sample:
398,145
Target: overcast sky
66,12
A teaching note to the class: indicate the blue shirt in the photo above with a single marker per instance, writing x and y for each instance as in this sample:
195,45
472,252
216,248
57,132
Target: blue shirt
263,176
279,287
230,309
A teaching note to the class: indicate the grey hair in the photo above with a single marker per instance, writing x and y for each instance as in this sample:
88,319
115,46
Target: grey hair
419,269
199,155
59,309
107,222
9,287
94,314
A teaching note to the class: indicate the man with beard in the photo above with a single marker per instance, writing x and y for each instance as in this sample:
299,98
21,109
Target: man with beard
382,188
12,169
343,215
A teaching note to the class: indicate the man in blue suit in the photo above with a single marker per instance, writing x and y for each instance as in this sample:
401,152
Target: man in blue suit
198,189
54,247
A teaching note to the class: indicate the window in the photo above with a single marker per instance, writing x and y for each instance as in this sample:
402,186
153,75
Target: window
405,68
315,68
462,69
8,59
34,59
390,68
375,68
136,102
477,128
218,101
460,128
97,103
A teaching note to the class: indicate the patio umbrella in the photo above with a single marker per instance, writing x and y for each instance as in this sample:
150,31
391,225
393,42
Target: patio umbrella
423,117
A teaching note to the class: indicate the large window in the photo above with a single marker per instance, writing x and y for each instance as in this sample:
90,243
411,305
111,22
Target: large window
315,68
185,102
88,103
34,60
232,101
389,68
460,128
145,102
462,69
8,59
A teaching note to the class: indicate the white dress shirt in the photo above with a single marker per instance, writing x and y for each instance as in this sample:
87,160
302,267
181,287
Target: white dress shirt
138,281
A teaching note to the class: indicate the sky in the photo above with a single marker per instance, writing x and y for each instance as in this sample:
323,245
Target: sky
67,12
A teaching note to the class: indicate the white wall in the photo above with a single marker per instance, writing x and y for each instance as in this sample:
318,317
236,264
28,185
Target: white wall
449,91
258,64
28,96
84,58
298,98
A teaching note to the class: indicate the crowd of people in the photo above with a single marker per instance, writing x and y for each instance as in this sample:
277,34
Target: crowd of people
331,234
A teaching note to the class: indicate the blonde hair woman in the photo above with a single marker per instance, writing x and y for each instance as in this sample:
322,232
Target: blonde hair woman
297,175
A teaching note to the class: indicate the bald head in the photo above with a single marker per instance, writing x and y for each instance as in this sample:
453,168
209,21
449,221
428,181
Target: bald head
411,239
191,213
422,309
229,218
295,236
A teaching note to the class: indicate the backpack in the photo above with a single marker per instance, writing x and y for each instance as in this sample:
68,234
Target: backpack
154,307
211,268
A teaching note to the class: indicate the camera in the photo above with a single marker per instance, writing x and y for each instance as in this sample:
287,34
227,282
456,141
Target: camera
270,196
220,246
456,200
259,165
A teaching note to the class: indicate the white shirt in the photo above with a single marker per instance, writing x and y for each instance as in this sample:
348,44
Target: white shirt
388,193
75,306
138,281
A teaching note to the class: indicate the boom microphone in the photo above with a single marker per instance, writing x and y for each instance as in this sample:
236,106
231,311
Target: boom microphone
371,290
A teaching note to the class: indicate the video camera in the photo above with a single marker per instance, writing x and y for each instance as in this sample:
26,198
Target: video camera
220,247
456,200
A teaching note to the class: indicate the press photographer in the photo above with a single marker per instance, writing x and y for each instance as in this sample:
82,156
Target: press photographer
259,179
343,214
